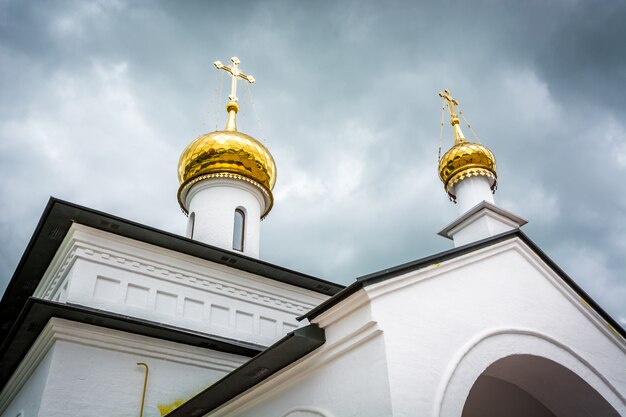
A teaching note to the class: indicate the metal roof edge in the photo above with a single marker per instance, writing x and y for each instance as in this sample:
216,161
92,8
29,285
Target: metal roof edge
286,351
456,252
395,271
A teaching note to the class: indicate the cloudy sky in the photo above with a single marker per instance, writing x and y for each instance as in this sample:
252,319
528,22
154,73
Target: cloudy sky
98,99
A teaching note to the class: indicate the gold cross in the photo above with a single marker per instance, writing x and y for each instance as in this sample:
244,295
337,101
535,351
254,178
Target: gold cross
233,70
451,102
454,121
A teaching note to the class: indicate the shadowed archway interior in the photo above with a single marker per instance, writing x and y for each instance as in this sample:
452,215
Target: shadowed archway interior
528,385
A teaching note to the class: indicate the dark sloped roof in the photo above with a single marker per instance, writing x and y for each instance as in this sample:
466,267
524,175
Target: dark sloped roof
287,350
36,314
58,217
451,254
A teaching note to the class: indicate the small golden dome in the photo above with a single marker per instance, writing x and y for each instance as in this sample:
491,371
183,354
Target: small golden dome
227,154
464,160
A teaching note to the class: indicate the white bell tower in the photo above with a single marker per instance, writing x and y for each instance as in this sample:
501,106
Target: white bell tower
468,173
226,181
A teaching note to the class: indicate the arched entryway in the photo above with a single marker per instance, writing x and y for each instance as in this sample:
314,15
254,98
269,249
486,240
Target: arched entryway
529,385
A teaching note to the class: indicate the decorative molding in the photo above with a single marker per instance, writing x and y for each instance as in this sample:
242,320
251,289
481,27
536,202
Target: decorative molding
113,340
342,309
79,247
228,179
57,271
482,209
165,272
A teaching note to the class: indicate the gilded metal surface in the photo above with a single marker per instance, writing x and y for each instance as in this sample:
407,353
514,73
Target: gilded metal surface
228,153
466,159
454,120
231,124
233,70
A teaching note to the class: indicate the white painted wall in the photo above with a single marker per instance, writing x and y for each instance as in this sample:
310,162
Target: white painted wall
92,372
345,377
27,398
459,317
105,271
429,335
214,202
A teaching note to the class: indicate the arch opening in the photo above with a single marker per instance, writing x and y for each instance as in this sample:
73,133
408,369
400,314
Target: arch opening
523,385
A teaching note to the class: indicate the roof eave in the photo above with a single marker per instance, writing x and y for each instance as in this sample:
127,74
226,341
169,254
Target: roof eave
59,216
283,353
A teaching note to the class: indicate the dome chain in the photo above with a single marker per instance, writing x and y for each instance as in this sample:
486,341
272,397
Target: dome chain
469,126
256,115
443,111
218,95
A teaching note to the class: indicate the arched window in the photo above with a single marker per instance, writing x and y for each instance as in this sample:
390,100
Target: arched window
239,229
190,225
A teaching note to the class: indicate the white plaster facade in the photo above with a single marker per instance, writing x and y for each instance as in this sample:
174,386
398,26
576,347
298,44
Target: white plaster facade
105,271
76,369
415,345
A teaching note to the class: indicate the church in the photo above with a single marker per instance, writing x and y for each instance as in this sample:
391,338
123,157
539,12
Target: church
107,317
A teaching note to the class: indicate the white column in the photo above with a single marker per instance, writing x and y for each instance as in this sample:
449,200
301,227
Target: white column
213,203
471,191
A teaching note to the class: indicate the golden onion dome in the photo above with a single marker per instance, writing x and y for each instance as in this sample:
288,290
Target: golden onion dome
227,154
464,160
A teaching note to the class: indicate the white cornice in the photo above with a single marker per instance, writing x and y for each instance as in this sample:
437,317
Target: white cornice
515,244
479,210
107,249
112,340
342,309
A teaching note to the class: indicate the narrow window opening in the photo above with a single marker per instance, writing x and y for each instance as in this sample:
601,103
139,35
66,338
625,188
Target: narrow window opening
239,229
190,225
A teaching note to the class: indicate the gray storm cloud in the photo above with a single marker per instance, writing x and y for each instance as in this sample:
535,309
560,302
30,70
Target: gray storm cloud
99,99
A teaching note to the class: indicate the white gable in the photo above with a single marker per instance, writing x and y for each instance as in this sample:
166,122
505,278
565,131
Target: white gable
431,333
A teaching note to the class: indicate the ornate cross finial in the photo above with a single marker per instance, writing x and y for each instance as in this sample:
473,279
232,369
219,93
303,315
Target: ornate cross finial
233,70
454,121
451,102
